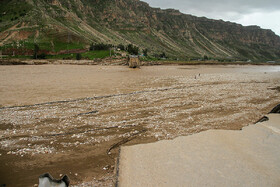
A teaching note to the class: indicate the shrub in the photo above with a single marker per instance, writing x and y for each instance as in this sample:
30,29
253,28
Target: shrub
78,56
41,56
145,52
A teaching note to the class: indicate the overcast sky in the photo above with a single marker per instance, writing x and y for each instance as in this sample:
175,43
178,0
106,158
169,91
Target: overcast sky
264,13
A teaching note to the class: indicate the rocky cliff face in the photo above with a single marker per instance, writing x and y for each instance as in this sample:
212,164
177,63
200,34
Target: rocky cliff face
81,22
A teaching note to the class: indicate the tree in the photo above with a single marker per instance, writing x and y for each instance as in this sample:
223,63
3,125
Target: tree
36,50
162,55
78,56
91,48
133,50
205,57
145,52
121,47
100,46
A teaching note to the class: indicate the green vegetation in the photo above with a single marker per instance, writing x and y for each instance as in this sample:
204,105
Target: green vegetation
149,58
11,10
99,47
59,46
163,55
36,50
62,56
42,56
90,55
133,50
145,52
96,54
78,56
55,46
121,47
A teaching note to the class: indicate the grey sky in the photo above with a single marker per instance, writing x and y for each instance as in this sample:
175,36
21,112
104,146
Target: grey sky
265,13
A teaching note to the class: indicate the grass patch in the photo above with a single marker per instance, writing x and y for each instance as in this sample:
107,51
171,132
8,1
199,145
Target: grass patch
91,55
96,54
58,46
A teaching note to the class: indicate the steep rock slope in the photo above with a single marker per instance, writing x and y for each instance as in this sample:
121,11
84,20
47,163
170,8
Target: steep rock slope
61,24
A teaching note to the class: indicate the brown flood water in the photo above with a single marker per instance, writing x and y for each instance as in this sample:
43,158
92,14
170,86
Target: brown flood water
87,112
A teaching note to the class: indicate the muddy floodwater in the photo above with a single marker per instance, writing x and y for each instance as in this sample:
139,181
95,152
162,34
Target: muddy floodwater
70,119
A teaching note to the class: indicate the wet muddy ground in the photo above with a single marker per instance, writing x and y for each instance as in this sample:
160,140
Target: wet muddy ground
71,120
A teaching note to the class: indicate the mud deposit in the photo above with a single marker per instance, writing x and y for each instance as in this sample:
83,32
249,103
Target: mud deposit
101,108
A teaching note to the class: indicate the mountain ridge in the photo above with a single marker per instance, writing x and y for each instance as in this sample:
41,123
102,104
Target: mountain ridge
55,23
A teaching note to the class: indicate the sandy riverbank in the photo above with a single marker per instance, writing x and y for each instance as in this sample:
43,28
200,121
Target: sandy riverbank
117,105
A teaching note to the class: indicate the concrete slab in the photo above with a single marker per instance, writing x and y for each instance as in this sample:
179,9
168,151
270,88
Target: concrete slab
250,157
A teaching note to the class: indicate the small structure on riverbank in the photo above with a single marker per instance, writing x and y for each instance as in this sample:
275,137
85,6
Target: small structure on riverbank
134,61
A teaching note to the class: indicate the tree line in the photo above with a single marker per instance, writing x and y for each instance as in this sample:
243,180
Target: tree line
130,48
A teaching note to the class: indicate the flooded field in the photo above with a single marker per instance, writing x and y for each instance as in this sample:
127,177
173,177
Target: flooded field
67,119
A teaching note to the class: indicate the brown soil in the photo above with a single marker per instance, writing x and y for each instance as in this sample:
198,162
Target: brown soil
117,106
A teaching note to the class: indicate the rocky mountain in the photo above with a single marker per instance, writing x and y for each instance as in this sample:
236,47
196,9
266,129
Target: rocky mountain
73,24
